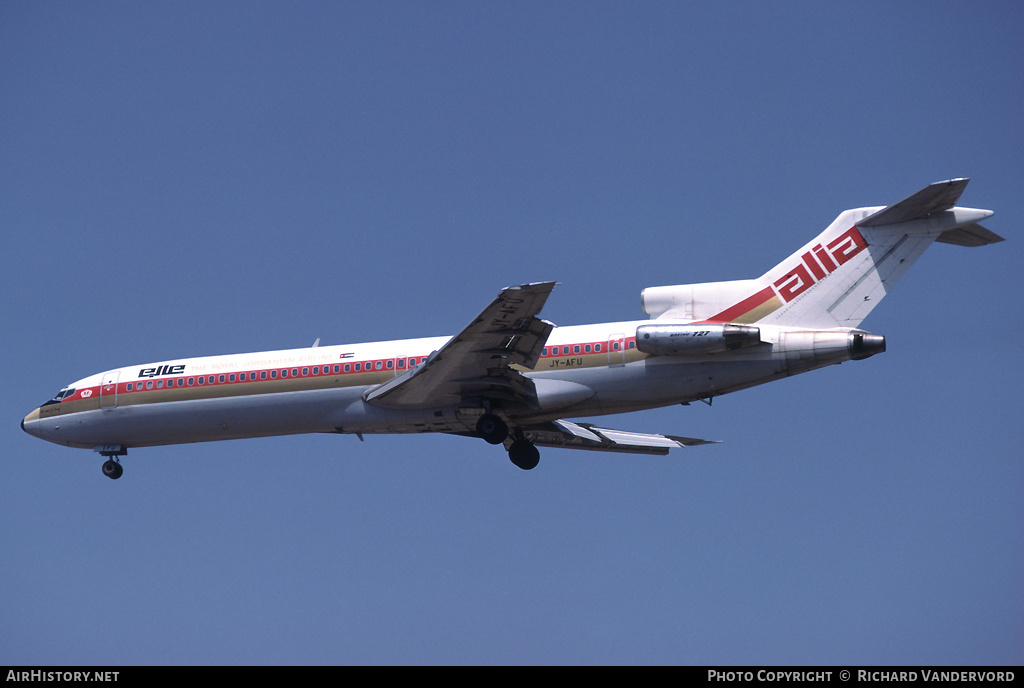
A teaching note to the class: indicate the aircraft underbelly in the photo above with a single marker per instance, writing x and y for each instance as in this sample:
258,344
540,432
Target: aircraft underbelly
656,382
201,420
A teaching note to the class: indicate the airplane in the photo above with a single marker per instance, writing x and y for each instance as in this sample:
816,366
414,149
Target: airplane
512,378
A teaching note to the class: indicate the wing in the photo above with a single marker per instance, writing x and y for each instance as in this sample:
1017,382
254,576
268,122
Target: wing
475,364
562,433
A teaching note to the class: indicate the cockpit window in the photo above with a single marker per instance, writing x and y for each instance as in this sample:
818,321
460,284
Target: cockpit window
61,395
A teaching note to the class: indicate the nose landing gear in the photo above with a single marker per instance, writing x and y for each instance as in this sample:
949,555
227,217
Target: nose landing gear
112,467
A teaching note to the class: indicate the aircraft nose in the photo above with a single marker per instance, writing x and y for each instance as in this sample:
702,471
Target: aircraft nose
28,423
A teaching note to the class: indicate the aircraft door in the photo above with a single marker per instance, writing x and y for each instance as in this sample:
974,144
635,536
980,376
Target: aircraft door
108,389
617,349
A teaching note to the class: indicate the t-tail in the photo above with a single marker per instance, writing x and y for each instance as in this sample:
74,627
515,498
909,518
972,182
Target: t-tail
838,277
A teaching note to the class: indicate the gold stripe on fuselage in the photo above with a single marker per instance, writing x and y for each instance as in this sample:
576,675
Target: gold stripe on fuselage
217,390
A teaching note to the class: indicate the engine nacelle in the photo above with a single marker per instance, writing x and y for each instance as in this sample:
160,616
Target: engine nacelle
687,340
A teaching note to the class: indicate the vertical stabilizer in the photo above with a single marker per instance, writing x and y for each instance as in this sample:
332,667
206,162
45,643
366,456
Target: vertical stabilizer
838,277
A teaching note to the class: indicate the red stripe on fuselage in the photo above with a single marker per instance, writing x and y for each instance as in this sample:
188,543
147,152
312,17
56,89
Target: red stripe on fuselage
745,306
189,380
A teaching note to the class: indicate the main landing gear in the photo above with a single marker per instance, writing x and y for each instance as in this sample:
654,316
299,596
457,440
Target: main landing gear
491,428
524,454
495,431
112,467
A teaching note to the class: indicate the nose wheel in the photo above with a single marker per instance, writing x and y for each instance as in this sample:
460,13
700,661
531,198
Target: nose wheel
112,467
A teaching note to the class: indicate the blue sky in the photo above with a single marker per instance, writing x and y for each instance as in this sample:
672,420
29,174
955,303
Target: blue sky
187,179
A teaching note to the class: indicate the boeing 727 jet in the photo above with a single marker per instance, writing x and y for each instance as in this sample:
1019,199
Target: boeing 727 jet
512,378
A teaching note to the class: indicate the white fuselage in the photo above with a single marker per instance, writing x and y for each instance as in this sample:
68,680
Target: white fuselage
586,370
512,378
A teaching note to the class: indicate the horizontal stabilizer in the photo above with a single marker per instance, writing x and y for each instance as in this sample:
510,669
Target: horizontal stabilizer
931,199
970,236
562,433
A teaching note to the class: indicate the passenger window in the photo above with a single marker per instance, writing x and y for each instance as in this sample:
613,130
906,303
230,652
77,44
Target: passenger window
295,372
149,384
348,367
220,379
576,349
378,365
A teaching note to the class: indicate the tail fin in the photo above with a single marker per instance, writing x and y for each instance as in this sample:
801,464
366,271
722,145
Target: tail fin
838,277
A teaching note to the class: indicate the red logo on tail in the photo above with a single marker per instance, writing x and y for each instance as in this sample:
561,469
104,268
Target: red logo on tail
819,263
